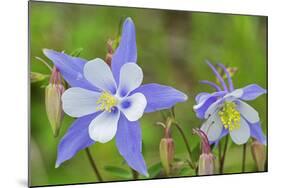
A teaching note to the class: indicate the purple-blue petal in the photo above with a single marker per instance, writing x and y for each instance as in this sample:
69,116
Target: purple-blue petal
201,96
129,144
76,139
251,92
215,86
160,97
206,103
127,49
71,68
217,75
230,83
257,133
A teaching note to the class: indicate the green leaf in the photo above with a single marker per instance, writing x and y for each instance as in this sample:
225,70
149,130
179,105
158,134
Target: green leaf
117,39
155,170
37,77
196,152
116,42
187,171
118,172
77,52
177,159
173,112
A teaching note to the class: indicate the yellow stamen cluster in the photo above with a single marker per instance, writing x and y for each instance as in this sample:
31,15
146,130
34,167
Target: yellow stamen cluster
229,116
106,102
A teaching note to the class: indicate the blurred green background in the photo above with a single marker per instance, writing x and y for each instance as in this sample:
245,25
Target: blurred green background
172,49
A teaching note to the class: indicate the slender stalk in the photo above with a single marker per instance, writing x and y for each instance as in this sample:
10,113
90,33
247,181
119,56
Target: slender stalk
219,154
44,62
135,174
223,155
244,157
91,159
186,144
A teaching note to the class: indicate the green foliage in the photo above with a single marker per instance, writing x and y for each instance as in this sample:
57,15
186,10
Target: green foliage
118,172
77,52
196,151
172,48
187,171
155,170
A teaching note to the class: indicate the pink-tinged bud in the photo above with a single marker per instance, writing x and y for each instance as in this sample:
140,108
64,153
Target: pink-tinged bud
206,164
110,51
166,150
259,155
166,153
53,93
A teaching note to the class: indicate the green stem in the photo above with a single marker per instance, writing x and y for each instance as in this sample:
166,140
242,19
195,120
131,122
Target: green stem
223,155
186,145
91,159
244,157
45,63
135,174
219,154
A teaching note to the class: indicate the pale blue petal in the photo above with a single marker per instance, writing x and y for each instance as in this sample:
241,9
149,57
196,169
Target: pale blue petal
71,68
257,133
252,91
223,134
160,97
129,144
76,139
127,49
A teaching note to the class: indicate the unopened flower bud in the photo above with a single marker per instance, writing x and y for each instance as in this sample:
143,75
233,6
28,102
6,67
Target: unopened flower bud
206,164
166,150
37,77
232,70
110,50
259,155
166,153
53,93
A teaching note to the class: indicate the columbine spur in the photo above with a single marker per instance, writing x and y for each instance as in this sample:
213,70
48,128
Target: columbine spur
109,101
225,111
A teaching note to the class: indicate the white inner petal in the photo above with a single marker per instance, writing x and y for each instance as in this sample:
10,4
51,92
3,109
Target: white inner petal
197,106
212,108
233,95
241,135
131,77
212,127
133,106
77,102
248,112
103,128
99,74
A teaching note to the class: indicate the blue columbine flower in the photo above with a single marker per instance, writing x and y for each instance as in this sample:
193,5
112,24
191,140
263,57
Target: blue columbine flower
226,112
108,102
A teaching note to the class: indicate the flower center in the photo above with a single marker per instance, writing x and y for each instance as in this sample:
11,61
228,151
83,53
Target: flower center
230,117
106,102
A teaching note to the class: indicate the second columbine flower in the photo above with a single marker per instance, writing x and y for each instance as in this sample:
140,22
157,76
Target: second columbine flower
225,111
